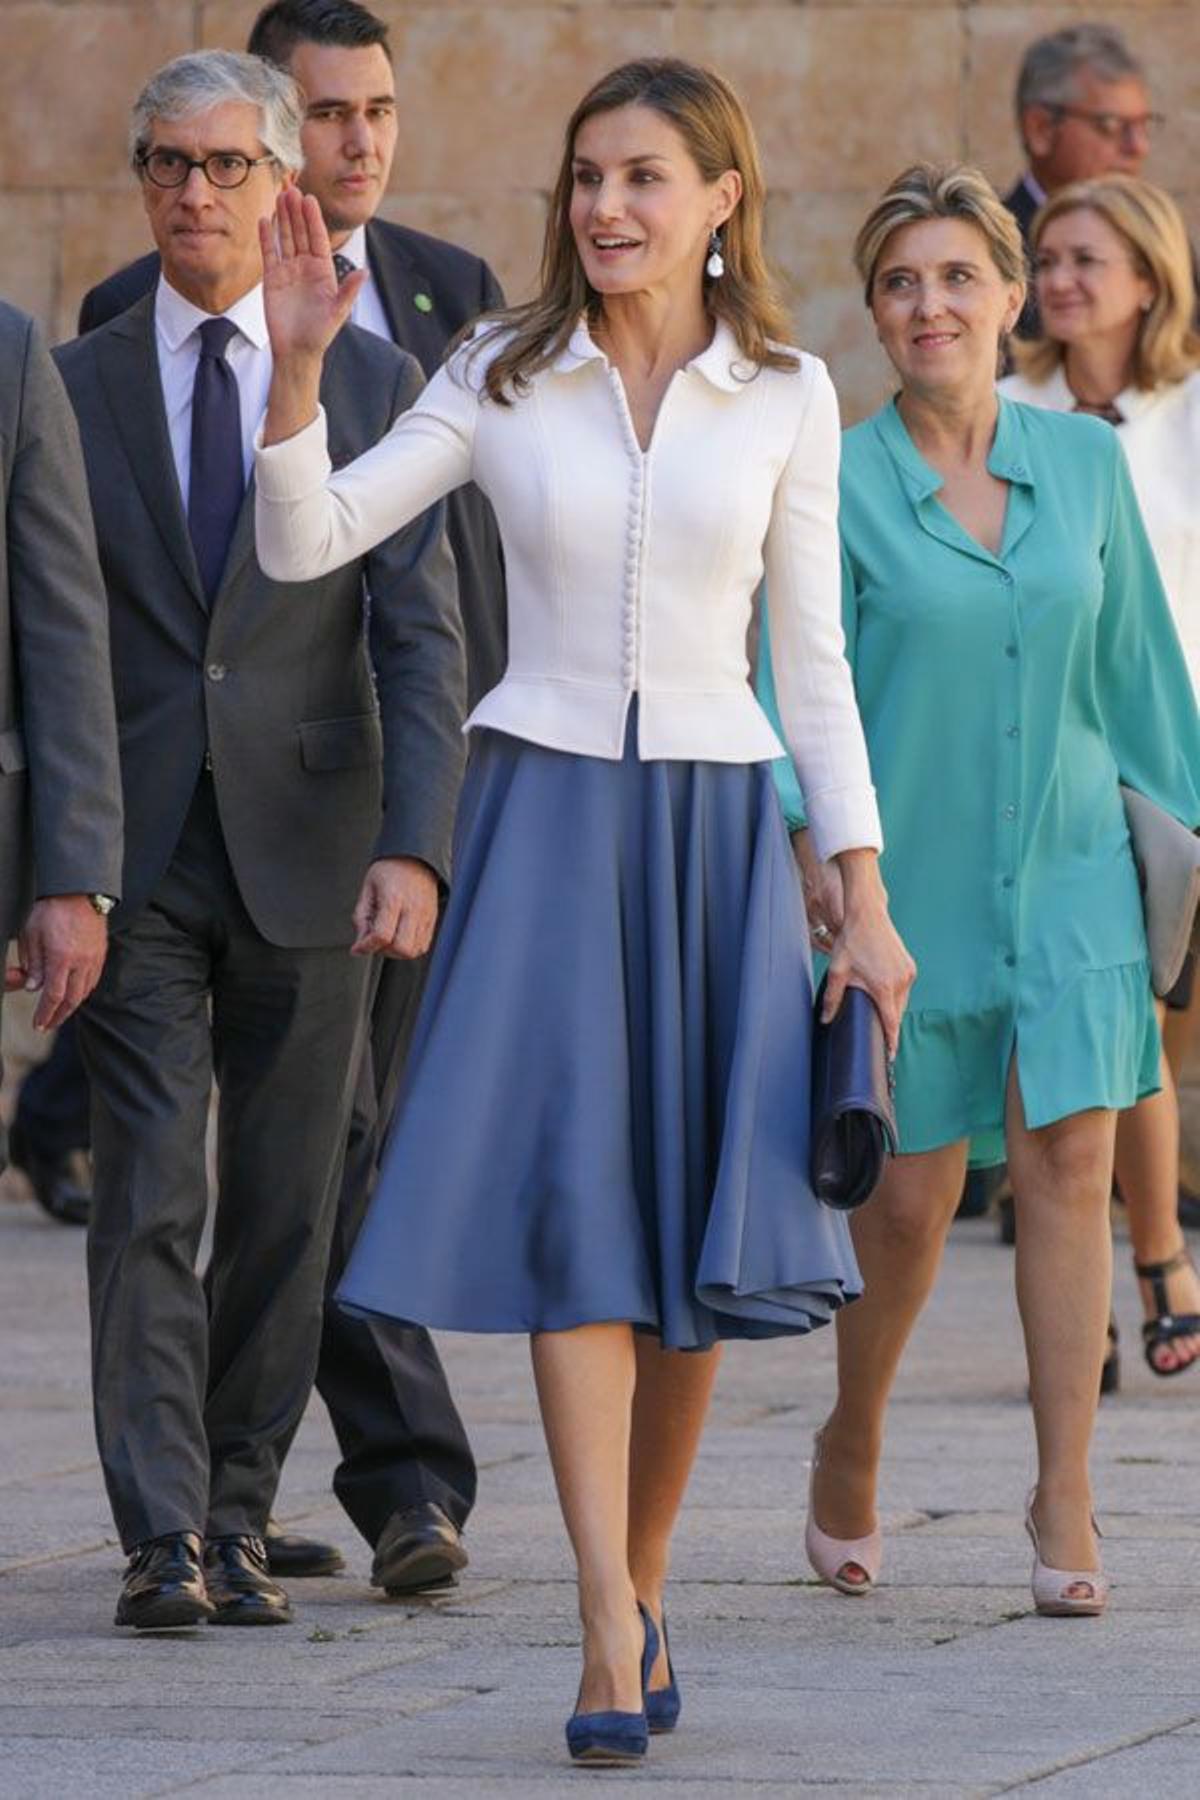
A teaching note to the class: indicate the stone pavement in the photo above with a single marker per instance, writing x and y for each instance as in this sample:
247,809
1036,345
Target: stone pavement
943,1683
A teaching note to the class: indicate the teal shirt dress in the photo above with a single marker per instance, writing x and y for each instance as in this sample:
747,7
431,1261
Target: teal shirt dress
1004,699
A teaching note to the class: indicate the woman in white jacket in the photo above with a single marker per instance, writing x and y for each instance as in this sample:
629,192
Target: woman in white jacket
602,1139
1113,273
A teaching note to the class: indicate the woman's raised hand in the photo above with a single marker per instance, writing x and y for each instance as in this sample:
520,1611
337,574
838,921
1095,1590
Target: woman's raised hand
305,305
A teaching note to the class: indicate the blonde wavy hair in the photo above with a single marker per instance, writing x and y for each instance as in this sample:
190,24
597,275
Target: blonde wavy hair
940,191
716,130
1151,225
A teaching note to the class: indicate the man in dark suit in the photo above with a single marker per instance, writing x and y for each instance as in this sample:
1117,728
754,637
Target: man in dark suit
1083,109
60,791
407,1476
272,774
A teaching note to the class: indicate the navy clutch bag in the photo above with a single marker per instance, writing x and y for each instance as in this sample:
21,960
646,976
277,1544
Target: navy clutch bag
853,1116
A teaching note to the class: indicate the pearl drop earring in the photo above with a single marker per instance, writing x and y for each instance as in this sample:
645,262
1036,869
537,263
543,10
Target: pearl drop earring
715,266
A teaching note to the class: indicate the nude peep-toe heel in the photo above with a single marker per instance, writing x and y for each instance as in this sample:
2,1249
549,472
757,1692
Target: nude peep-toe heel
832,1557
1052,1594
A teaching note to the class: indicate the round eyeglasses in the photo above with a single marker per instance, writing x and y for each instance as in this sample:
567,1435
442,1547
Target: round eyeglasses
222,168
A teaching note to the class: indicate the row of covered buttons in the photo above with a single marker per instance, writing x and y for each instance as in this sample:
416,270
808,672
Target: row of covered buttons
633,538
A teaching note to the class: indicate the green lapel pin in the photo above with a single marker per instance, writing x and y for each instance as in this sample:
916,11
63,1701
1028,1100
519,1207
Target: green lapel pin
423,303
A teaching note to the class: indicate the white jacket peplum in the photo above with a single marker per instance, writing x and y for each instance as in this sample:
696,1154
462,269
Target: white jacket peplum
626,571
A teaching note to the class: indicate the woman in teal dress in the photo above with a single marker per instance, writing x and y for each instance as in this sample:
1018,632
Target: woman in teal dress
1014,660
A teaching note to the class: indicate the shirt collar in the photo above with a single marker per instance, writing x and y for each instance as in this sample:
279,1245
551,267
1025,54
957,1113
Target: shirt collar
1033,188
1008,457
355,247
176,318
717,363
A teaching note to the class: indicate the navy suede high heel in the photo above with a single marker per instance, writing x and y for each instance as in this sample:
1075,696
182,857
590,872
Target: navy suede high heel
613,1739
663,1705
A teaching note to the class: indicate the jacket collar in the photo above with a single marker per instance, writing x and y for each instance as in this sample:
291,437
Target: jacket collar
1055,393
717,363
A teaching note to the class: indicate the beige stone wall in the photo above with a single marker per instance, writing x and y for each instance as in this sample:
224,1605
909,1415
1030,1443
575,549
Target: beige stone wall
842,94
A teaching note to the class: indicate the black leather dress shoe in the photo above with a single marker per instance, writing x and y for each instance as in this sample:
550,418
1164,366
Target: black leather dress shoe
420,1550
164,1585
62,1185
292,1556
240,1585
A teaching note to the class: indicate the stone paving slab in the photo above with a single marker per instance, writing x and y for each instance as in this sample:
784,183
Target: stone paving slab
943,1683
1166,1764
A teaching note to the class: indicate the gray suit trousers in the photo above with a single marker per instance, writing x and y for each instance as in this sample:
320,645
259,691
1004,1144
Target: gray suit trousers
193,1397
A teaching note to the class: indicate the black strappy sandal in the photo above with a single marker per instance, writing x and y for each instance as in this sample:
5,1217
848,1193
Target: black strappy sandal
1110,1369
1166,1326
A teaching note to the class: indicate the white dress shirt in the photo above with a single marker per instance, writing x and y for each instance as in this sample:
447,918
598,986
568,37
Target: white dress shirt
367,310
1160,435
177,333
627,571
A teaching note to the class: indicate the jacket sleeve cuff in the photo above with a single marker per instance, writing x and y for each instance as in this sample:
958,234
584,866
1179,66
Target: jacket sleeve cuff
296,468
58,883
844,819
422,831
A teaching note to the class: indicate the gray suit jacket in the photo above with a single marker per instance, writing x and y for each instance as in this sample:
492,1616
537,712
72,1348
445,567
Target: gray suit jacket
323,757
60,796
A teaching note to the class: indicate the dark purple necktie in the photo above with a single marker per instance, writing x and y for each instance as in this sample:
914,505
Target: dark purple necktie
342,266
217,483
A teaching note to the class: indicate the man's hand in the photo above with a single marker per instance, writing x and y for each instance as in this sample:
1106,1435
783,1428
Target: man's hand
60,952
397,909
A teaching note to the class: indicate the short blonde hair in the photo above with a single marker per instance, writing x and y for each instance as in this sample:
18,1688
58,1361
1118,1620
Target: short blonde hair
940,191
1168,346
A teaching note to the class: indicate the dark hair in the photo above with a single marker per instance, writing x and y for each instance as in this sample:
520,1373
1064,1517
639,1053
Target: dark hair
286,23
714,126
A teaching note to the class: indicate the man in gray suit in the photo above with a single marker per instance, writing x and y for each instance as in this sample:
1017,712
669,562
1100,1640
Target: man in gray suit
274,793
60,793
407,1476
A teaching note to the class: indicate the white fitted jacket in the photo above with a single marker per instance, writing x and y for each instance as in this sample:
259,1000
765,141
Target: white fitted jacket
626,571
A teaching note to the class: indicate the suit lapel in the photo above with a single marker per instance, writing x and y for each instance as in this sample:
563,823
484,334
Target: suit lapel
402,290
241,545
129,373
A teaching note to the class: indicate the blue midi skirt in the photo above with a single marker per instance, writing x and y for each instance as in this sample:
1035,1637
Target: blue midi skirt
605,1112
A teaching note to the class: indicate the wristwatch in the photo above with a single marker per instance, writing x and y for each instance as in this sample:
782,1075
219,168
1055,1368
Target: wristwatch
101,903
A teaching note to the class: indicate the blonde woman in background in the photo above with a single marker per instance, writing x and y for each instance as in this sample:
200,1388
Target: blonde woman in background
1114,285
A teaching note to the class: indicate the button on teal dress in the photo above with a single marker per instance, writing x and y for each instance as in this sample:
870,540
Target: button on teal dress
1004,698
